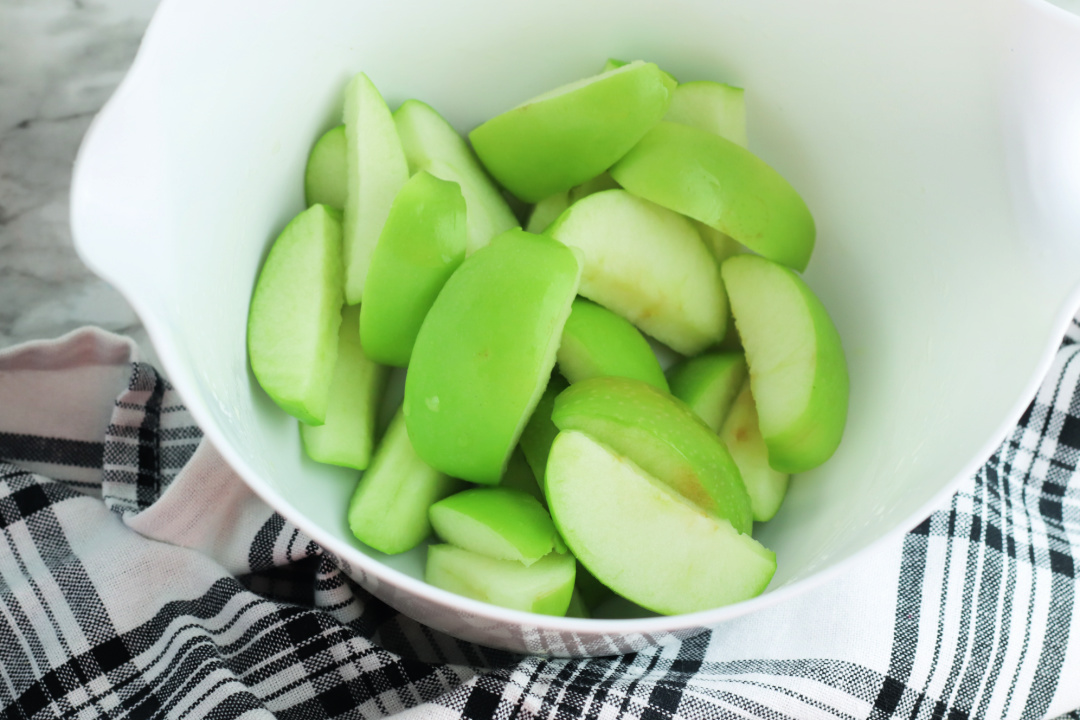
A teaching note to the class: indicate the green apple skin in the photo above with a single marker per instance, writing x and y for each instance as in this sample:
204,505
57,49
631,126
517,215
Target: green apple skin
545,587
547,211
564,137
644,541
597,343
798,372
376,171
649,265
663,437
714,181
485,351
540,432
497,522
519,475
389,508
326,177
421,245
432,144
742,436
348,435
708,384
292,332
714,107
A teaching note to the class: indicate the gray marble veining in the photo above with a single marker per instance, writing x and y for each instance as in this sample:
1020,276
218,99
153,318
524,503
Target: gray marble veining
59,62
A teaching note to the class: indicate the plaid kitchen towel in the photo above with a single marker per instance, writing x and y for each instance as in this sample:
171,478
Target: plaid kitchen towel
140,578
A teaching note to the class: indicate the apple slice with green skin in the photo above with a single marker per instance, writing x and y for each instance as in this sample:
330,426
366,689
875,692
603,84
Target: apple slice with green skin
545,587
432,144
722,246
547,211
497,522
797,368
708,384
540,432
649,265
421,245
518,474
662,436
710,106
714,181
485,352
742,436
389,509
327,174
573,133
614,64
645,541
347,436
596,343
600,183
376,171
292,332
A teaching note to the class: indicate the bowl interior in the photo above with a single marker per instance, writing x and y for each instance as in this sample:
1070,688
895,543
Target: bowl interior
887,118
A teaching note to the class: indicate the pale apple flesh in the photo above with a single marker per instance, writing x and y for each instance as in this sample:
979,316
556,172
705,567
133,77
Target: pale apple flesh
497,522
326,176
708,384
598,343
547,211
742,436
711,106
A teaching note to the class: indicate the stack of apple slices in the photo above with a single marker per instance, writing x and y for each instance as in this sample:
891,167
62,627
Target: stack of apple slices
529,379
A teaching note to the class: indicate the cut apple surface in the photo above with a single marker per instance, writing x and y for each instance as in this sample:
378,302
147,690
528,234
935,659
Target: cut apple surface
649,265
708,384
497,522
327,174
485,352
564,137
347,436
376,171
742,436
645,541
598,343
422,243
710,106
797,368
292,332
547,211
540,432
723,185
662,436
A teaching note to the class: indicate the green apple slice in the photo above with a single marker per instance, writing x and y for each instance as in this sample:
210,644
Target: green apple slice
600,183
518,474
566,136
614,64
497,522
421,245
649,265
710,106
485,352
347,436
713,180
389,509
540,432
708,384
547,211
644,541
722,246
292,332
432,144
376,171
797,368
545,587
596,343
662,436
327,174
742,436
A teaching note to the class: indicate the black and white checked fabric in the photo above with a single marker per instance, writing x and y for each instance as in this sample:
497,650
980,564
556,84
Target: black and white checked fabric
140,578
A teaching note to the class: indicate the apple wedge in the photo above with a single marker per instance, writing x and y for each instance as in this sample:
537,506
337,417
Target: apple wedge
642,539
485,351
422,243
600,183
326,176
742,435
292,332
432,144
649,265
797,368
710,106
376,171
348,435
723,185
540,432
662,436
708,384
597,343
519,475
573,133
547,211
497,522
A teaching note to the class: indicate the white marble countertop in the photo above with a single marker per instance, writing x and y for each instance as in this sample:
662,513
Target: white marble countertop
60,60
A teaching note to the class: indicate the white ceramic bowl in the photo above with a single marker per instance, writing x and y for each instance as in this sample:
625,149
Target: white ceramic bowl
936,141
